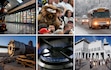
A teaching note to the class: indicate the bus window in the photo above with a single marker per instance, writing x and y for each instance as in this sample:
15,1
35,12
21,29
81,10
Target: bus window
101,15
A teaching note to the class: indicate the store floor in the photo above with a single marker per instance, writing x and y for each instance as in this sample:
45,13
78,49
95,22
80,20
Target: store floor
15,28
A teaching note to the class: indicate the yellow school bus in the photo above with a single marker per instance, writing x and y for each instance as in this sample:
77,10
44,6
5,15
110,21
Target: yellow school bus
99,17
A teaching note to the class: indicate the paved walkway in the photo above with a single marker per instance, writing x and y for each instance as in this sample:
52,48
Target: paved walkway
85,65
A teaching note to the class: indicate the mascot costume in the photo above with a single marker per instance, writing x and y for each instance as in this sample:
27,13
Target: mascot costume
48,15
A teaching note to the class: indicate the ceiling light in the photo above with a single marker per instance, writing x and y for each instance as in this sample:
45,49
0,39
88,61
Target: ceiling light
9,4
20,1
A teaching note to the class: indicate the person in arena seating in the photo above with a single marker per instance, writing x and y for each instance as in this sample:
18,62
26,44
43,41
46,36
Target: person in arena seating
66,5
68,16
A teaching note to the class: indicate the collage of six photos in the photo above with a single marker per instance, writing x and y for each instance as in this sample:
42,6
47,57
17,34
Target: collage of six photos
55,35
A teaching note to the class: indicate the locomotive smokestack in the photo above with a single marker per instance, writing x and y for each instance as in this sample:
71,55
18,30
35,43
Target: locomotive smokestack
30,43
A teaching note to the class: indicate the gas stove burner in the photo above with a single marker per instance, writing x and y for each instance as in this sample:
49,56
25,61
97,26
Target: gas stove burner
56,54
47,66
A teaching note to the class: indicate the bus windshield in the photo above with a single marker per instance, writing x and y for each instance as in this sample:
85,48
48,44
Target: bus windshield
101,15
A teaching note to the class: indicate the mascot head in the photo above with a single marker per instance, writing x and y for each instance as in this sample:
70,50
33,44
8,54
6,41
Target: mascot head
49,12
49,15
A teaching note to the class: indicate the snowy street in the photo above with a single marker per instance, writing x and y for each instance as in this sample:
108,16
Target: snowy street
88,11
84,29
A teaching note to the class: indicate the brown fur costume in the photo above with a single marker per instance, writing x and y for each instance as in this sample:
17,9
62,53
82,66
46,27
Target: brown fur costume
49,17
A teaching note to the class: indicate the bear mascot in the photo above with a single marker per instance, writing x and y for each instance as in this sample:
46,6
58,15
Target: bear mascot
48,15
